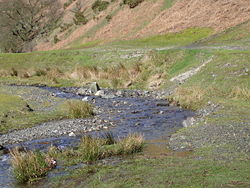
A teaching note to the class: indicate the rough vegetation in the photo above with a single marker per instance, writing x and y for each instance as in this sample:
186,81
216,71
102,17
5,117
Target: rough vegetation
213,148
99,5
132,3
29,165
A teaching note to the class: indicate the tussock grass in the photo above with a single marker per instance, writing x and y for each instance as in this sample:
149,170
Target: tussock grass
90,148
190,98
28,165
240,93
131,144
116,75
78,109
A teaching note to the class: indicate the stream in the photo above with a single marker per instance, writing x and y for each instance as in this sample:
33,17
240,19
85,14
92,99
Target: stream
151,117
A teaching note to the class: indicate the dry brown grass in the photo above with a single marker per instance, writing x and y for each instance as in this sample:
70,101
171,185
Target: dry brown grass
190,98
116,75
4,73
218,15
240,93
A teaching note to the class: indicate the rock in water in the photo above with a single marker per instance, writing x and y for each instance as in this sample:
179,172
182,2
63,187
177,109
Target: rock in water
94,87
85,99
72,134
99,93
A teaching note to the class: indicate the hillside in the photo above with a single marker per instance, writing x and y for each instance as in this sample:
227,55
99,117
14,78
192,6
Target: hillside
147,19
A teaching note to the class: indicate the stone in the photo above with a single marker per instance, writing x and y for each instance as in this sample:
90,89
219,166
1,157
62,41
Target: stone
94,87
108,96
100,93
188,122
72,134
85,99
82,91
119,93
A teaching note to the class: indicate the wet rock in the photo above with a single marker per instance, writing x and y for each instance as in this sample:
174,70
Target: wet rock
161,112
85,99
100,93
72,134
119,93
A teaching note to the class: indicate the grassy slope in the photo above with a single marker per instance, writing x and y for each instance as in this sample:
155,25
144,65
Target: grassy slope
238,36
185,37
216,82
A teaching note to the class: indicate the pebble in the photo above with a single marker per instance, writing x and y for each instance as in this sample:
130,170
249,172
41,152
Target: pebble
72,134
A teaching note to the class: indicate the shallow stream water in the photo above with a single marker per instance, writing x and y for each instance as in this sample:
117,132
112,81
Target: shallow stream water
145,115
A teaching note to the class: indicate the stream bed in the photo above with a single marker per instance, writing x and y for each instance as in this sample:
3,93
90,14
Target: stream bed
131,112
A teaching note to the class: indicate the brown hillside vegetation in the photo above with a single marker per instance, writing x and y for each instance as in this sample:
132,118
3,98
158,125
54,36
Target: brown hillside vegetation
149,18
128,21
217,14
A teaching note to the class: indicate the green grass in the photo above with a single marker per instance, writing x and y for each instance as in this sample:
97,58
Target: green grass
238,35
28,165
85,45
59,68
11,103
78,109
185,37
16,113
164,172
20,108
223,81
168,4
92,149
